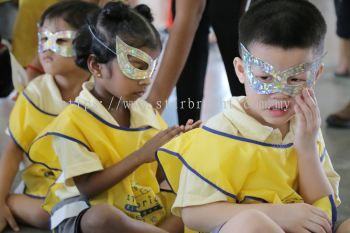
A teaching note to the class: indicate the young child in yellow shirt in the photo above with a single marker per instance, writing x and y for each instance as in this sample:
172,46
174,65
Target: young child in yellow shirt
36,107
265,152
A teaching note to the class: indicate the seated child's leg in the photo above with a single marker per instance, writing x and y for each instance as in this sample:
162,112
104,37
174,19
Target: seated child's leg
172,224
28,210
250,221
344,227
108,219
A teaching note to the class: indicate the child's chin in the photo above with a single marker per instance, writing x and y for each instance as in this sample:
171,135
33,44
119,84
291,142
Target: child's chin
277,121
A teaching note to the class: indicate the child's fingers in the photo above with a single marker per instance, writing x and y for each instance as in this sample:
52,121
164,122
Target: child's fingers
311,105
191,126
303,110
171,134
312,94
322,223
321,214
188,125
3,224
309,99
299,116
196,124
189,122
11,220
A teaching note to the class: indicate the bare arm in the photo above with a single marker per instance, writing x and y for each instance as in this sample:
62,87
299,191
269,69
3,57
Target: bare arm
94,183
172,224
188,16
9,163
313,182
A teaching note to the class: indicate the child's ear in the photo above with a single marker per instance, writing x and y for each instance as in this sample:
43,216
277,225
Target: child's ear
94,66
239,68
319,72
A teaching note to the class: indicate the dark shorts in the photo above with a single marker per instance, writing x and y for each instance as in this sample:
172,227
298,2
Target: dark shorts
72,224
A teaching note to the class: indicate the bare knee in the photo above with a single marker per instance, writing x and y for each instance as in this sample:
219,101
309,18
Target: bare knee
344,227
28,210
251,221
42,217
101,217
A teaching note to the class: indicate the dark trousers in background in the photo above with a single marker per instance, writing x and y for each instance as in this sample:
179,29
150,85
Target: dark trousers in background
342,9
223,16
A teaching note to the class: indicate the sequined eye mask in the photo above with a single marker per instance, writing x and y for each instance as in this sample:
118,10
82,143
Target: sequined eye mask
57,42
279,81
123,51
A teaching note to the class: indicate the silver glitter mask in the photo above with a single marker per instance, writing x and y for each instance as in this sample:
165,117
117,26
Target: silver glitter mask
123,51
51,41
280,81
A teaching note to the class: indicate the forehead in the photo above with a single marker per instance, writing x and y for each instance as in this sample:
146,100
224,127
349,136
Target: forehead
153,53
280,58
55,25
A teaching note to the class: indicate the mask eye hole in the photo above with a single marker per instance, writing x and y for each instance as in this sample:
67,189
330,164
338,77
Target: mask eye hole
62,41
259,74
43,39
265,79
137,63
297,80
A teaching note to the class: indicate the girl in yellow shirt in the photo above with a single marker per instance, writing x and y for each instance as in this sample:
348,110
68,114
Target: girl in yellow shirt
106,140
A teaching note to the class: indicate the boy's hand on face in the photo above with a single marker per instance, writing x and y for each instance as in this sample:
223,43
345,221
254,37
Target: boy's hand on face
308,122
150,147
303,218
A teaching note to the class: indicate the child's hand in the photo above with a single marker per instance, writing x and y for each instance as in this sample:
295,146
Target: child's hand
303,218
308,122
150,147
190,125
6,217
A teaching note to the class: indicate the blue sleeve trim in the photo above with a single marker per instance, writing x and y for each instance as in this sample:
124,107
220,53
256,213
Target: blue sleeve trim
17,143
35,106
334,211
246,139
108,123
200,176
323,156
59,135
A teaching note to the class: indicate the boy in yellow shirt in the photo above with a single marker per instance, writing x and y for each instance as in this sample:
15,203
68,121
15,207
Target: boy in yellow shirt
265,148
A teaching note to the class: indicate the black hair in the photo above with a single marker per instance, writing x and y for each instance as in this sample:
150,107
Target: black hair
132,25
74,12
283,23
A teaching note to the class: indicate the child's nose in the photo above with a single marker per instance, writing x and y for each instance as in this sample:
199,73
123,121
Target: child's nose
145,82
279,95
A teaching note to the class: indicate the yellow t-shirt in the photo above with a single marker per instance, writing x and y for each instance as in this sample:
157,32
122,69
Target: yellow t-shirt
86,139
195,188
36,107
25,42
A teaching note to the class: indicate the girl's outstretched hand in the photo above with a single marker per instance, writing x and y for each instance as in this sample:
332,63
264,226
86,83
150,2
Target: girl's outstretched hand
150,147
190,124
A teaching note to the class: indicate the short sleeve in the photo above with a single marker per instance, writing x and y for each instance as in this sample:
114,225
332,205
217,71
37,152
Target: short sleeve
75,159
194,191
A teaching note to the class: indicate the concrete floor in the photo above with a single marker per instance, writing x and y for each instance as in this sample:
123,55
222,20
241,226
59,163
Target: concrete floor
332,94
